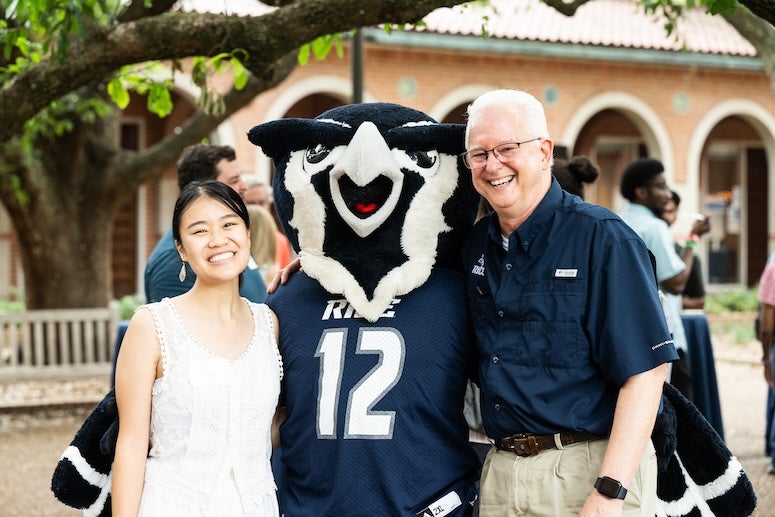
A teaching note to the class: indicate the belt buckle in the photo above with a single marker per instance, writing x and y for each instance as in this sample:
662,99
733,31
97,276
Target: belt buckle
521,444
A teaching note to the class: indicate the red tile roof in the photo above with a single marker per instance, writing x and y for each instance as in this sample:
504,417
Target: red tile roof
606,23
609,23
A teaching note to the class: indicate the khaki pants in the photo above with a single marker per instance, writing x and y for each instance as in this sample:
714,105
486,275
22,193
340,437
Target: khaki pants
556,483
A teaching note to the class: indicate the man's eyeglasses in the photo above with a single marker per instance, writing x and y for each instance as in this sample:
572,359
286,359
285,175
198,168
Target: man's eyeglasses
503,152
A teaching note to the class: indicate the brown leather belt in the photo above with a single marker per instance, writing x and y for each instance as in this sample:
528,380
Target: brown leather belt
531,444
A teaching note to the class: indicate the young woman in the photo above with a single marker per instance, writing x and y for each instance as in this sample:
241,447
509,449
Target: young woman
198,379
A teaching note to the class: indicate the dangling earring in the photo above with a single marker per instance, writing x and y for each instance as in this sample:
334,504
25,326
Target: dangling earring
182,274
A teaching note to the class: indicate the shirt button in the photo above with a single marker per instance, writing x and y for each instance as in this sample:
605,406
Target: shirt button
497,407
495,359
508,267
500,313
525,243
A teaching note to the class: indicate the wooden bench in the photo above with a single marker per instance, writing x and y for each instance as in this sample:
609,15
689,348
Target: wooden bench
58,340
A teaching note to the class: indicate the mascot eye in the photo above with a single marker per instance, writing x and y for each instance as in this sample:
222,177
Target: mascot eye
425,159
424,163
317,154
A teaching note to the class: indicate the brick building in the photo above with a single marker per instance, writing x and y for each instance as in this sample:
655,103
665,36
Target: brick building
614,85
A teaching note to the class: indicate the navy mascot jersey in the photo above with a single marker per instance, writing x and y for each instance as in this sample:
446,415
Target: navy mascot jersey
374,410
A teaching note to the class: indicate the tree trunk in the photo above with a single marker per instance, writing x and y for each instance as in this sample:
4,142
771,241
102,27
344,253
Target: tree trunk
67,264
64,224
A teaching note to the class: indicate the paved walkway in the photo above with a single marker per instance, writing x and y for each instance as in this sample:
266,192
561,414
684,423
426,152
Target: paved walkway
30,445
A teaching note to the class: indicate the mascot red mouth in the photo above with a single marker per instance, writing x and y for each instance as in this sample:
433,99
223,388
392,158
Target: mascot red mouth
366,208
366,200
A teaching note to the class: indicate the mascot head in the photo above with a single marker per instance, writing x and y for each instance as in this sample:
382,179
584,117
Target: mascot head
372,196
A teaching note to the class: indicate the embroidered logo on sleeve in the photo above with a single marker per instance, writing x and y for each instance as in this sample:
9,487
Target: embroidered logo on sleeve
566,273
478,268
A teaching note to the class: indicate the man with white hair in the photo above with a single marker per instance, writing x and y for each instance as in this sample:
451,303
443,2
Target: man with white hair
572,340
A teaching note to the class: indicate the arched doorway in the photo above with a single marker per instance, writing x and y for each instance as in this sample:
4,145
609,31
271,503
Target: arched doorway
313,105
611,140
734,181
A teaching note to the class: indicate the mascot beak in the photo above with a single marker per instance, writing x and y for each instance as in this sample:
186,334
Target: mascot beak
366,181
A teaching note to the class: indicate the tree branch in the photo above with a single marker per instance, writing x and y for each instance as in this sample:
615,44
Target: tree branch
139,167
764,9
266,38
760,33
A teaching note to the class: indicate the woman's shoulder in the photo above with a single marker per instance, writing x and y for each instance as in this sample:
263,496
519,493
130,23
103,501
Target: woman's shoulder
149,315
142,317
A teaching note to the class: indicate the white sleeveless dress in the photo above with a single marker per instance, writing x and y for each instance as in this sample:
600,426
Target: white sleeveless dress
211,423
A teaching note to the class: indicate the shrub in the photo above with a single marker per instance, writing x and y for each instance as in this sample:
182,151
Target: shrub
739,300
127,306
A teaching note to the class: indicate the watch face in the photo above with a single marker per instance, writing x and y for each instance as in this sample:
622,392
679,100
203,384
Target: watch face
609,487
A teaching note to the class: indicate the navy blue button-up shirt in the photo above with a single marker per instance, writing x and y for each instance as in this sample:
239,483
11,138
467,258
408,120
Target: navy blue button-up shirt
563,318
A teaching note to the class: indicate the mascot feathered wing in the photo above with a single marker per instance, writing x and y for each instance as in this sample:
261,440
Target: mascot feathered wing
82,477
698,476
372,196
374,333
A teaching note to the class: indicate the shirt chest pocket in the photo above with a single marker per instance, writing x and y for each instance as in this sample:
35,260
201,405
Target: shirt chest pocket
558,299
549,324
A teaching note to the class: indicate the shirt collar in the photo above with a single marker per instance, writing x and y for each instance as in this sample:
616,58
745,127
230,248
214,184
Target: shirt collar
537,221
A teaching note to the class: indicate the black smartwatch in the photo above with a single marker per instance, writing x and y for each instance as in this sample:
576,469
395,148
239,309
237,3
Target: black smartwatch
610,487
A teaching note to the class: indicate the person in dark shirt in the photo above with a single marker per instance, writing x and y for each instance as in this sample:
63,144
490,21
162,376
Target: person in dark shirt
572,338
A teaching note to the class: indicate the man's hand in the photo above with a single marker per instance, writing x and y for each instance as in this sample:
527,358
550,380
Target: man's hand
283,274
701,226
768,373
598,505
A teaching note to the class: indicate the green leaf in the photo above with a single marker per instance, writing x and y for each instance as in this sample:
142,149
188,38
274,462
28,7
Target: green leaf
303,56
321,47
339,42
217,61
240,73
118,93
23,45
722,7
160,100
199,71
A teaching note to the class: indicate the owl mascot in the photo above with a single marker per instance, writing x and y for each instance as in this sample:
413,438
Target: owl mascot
374,332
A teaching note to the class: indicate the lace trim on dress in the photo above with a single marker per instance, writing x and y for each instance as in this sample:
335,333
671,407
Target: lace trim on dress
162,344
270,326
190,337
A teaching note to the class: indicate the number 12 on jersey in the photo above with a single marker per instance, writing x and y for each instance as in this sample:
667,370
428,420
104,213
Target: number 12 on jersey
361,421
